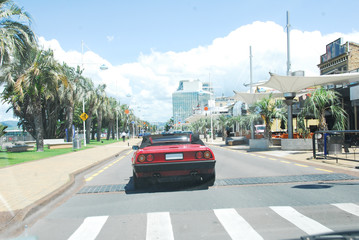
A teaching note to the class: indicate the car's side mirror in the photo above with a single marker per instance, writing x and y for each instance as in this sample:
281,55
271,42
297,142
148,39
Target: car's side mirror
135,147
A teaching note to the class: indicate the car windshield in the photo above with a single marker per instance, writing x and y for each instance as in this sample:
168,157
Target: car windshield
179,119
170,139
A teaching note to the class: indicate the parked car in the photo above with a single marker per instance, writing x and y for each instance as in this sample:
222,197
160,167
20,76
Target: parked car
172,158
259,129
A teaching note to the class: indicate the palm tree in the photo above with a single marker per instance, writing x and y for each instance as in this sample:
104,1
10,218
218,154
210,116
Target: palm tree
269,109
223,123
123,116
70,94
15,36
110,116
102,101
2,130
322,101
37,84
90,99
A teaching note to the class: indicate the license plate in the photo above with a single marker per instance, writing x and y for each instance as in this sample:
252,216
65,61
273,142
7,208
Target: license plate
174,156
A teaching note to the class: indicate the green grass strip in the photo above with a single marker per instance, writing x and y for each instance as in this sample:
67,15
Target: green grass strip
12,158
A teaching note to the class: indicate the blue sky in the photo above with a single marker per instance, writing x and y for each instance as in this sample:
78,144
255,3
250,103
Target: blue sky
149,46
137,26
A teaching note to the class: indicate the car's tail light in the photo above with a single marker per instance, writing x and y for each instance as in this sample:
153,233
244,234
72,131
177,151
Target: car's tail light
207,154
199,155
149,158
141,158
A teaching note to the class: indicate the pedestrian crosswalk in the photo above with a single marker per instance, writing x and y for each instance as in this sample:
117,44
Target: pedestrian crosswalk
228,223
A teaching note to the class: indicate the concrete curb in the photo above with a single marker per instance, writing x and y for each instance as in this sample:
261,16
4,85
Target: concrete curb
13,224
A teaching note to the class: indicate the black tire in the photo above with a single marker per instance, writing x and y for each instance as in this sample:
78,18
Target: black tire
138,182
210,179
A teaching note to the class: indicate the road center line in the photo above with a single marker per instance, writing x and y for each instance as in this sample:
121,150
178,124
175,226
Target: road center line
235,225
284,161
159,226
307,224
104,168
320,169
89,229
348,207
301,165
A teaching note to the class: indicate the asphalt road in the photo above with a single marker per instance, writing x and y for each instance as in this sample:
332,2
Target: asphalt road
254,197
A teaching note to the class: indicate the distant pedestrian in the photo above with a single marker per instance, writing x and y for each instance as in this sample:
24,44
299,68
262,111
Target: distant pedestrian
123,135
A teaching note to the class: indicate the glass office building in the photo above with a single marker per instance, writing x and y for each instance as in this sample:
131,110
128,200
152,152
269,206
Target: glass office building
189,97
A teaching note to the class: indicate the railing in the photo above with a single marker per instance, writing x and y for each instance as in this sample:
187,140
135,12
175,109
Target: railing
335,144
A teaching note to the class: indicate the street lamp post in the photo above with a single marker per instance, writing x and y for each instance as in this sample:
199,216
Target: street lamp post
102,67
83,100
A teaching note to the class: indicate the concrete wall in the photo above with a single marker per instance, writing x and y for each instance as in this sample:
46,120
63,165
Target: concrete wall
259,144
297,144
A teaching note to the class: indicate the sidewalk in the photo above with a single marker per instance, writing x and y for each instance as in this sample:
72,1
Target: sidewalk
307,156
25,186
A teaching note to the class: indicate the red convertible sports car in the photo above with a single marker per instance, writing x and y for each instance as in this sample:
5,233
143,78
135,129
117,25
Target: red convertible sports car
172,158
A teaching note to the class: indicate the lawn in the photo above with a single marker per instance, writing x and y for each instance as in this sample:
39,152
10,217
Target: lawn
7,159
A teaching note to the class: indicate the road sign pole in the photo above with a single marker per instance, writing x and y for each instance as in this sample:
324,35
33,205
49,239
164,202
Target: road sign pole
83,110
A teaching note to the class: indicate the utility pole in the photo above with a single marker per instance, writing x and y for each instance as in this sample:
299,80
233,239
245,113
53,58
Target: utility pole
289,97
288,46
250,86
211,107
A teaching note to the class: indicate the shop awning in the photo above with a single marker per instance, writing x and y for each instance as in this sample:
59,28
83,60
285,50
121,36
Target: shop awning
251,98
287,84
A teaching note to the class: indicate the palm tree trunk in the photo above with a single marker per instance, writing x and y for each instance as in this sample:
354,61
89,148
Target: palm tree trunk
93,130
69,120
39,128
99,125
88,127
322,122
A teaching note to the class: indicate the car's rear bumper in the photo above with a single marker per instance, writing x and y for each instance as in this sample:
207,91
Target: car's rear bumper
175,169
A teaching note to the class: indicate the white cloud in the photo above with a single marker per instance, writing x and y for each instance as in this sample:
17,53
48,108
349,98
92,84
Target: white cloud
110,38
154,77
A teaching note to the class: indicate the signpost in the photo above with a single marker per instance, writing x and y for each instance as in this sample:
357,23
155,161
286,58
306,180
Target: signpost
84,116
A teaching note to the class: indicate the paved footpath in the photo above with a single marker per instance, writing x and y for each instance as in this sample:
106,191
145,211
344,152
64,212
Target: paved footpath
299,155
25,186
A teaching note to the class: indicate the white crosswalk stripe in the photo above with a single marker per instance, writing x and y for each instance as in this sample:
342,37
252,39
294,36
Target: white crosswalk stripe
348,207
307,224
89,229
236,226
159,226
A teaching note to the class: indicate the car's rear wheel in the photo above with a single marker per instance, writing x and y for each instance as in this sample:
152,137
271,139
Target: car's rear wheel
138,182
209,179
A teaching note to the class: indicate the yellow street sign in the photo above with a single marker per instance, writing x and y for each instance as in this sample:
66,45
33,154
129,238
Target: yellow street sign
84,116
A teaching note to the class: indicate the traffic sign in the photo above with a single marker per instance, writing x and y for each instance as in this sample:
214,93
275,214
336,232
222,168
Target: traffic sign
84,116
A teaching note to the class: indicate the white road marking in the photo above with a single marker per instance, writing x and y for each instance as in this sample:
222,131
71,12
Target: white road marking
236,226
159,226
89,229
348,207
307,224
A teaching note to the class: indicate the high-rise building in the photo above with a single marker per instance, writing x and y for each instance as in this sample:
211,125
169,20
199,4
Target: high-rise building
190,96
